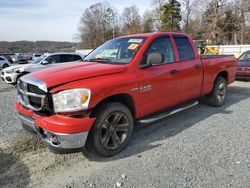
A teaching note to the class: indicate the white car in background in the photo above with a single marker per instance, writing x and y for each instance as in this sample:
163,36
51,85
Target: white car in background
11,74
4,63
36,56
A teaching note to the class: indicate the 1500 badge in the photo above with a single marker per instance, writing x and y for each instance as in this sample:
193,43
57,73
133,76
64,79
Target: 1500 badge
143,88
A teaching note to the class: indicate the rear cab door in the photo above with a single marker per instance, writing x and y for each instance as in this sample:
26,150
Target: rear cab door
65,58
190,66
158,85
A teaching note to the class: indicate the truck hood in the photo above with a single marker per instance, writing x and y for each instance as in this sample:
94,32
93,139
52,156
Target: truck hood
72,72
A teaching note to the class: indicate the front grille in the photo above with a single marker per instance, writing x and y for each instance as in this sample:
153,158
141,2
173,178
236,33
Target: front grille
35,89
35,101
31,96
243,68
2,73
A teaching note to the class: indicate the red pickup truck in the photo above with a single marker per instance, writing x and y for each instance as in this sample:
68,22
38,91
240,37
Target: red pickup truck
137,78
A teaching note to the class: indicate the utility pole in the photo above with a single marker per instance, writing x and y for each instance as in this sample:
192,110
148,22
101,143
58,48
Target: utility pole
242,27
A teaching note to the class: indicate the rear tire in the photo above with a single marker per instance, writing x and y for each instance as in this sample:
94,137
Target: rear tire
219,93
112,130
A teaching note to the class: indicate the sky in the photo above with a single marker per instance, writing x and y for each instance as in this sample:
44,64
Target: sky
54,20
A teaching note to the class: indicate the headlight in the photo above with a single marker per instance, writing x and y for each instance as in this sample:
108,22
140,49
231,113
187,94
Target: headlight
71,100
11,71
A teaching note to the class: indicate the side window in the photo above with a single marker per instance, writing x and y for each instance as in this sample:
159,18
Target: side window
162,45
1,58
52,59
184,47
66,58
77,58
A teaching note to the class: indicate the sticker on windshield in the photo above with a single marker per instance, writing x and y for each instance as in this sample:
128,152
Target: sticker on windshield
133,46
135,41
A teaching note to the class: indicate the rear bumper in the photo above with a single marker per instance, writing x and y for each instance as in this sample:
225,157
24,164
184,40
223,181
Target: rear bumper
60,136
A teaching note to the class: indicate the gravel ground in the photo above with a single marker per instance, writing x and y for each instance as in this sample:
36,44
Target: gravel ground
200,147
8,119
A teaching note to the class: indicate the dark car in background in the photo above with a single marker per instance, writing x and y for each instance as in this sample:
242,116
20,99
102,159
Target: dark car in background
243,66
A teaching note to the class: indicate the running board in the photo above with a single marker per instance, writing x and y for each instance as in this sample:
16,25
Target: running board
169,113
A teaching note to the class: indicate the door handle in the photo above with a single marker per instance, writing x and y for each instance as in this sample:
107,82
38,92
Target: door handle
174,71
197,66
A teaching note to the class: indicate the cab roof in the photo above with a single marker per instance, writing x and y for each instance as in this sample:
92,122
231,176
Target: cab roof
156,33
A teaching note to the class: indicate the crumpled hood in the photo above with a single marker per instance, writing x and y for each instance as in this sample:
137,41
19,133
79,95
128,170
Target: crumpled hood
16,67
72,72
34,67
38,67
243,63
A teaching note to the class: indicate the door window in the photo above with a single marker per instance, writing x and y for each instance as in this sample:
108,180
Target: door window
162,45
184,48
52,59
66,58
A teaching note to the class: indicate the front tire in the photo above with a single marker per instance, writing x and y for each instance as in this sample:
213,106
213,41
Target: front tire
219,93
112,130
5,66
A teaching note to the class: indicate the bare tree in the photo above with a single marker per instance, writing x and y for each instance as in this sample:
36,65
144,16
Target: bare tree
211,18
131,20
188,7
147,22
97,25
243,6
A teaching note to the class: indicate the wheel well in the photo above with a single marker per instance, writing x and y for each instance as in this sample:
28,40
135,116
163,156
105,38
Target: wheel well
223,74
125,99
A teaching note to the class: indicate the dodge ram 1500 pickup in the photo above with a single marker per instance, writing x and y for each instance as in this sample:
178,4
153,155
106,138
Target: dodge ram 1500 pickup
137,78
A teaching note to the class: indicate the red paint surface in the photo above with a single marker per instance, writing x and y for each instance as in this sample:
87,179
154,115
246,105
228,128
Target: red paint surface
106,80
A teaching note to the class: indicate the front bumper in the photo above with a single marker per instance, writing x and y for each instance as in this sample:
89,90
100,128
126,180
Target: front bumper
243,75
9,78
60,136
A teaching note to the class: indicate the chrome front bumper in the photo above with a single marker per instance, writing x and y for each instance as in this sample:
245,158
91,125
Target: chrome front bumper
54,140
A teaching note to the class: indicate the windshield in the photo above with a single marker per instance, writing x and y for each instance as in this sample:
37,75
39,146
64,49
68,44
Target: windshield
116,51
37,60
242,57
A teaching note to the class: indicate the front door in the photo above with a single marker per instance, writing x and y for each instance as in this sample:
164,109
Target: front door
158,85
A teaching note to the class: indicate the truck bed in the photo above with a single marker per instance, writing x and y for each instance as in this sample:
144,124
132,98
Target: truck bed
213,64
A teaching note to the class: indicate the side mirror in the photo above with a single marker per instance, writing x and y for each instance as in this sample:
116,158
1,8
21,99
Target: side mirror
45,62
155,58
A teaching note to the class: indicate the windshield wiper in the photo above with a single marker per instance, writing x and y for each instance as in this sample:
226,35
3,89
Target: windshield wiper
100,60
